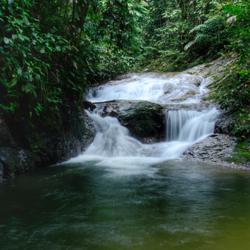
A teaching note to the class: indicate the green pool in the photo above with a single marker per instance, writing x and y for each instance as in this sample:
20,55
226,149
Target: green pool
174,205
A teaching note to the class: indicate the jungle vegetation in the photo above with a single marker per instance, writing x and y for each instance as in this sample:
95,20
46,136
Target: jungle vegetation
52,50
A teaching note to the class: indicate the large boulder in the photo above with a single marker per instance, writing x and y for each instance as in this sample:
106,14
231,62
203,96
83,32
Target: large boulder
58,146
13,159
46,147
145,120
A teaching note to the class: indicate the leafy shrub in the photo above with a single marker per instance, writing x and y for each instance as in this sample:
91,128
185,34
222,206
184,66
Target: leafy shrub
233,92
209,37
33,64
52,50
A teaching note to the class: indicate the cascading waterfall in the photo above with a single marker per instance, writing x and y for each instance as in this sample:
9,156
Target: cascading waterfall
175,120
184,127
190,125
112,139
199,126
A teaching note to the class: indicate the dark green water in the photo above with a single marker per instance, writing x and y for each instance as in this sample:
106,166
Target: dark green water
171,206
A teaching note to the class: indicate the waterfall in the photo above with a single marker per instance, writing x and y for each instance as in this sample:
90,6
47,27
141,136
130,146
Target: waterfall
199,126
113,145
176,120
112,139
189,125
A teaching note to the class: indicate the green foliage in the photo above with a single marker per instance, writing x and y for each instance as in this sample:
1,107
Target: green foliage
119,23
233,92
241,153
114,29
31,77
51,51
239,32
209,37
182,33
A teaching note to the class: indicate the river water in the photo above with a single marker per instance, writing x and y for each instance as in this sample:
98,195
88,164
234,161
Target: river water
123,194
173,205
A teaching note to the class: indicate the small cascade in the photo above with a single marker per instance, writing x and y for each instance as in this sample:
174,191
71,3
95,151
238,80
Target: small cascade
199,126
189,125
165,88
175,120
112,139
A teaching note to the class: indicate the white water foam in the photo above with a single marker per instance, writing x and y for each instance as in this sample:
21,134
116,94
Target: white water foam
179,88
113,146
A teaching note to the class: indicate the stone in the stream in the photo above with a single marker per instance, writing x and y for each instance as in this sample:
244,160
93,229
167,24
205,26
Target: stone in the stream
216,148
145,120
70,142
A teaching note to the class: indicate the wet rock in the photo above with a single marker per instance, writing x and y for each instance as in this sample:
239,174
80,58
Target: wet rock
88,132
145,120
214,70
15,161
216,148
224,124
88,105
47,147
70,142
1,172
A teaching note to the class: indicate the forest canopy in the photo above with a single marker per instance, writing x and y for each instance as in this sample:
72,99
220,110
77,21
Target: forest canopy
52,50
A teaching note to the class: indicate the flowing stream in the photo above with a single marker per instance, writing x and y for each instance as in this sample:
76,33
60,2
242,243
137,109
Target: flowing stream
160,88
121,194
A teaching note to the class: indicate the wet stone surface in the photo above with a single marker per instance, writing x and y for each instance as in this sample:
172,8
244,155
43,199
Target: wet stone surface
145,120
216,148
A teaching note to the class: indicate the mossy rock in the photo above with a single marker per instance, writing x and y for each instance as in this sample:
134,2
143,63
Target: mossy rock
241,154
145,120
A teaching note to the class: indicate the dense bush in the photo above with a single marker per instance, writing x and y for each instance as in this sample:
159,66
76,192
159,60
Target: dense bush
27,72
233,92
209,37
52,50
